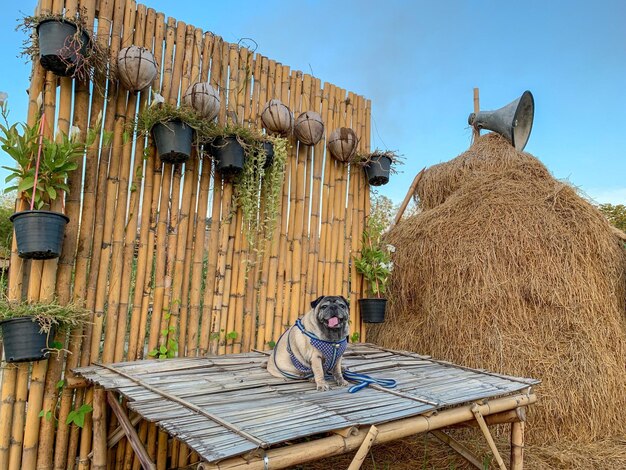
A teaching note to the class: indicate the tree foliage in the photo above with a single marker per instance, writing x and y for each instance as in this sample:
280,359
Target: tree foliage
616,214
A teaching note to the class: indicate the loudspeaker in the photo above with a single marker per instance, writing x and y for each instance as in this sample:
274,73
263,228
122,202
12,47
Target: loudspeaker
513,121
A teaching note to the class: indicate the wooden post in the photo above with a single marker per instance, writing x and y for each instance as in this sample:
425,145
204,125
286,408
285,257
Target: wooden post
408,197
517,445
99,430
476,132
485,430
365,447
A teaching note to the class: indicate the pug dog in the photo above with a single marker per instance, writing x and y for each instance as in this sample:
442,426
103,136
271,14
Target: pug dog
314,345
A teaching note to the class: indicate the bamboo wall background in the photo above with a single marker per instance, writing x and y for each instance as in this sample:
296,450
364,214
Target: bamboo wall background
142,258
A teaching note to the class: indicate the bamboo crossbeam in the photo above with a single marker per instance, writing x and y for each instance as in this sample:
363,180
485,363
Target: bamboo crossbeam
459,448
288,456
130,432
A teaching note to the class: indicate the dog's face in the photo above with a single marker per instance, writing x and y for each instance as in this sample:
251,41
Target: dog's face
332,313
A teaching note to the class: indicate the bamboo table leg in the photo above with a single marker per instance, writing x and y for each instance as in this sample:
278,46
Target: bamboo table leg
517,445
487,434
364,449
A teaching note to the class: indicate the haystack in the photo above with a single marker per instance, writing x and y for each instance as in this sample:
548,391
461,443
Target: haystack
510,270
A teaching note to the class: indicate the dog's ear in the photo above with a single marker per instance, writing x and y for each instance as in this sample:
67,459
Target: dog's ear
316,302
345,300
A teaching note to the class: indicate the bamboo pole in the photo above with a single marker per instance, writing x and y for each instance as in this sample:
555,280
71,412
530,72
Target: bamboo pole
517,445
99,430
302,101
365,447
485,430
339,224
209,325
476,131
408,197
336,444
21,395
459,448
366,202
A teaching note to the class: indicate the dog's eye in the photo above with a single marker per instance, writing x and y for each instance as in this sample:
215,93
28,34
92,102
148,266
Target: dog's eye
323,307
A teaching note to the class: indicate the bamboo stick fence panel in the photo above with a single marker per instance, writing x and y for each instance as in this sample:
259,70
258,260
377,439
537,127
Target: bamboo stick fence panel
142,258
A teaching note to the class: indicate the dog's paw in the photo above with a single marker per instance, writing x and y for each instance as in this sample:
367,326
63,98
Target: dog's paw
342,382
322,386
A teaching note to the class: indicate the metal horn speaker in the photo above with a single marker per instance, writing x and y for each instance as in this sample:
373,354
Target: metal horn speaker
513,121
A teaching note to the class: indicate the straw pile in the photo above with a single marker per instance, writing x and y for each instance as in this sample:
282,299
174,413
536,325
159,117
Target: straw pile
510,270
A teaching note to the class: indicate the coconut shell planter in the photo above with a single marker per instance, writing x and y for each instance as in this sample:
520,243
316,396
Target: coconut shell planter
173,140
61,47
204,99
309,128
277,117
342,144
136,68
39,234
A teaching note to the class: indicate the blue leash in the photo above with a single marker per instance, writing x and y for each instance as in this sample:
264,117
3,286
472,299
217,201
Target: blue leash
363,381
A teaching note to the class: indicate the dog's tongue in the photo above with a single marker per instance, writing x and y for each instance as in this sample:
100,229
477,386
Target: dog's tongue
333,322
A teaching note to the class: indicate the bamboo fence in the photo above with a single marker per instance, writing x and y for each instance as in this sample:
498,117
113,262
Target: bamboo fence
159,256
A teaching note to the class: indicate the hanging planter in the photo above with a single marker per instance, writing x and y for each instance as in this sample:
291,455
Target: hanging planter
309,128
24,341
268,148
373,310
28,329
204,99
277,117
228,154
343,143
173,141
136,68
39,234
64,46
40,176
378,165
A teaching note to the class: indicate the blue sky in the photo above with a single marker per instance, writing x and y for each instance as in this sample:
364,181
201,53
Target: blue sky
418,61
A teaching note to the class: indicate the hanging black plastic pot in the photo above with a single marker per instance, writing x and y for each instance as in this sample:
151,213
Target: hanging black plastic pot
173,141
23,341
228,154
61,50
373,310
268,148
377,170
39,234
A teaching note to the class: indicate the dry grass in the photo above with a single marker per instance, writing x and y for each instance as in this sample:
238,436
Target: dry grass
509,270
425,452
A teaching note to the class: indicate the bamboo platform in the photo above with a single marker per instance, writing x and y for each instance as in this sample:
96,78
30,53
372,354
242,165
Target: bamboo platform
227,406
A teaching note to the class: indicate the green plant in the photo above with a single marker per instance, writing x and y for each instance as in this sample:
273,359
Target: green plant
366,158
77,417
93,65
160,112
25,144
7,206
616,214
46,314
169,345
355,337
374,262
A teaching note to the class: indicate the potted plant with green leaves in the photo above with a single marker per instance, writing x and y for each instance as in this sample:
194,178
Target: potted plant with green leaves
40,176
172,128
63,45
378,165
374,263
28,329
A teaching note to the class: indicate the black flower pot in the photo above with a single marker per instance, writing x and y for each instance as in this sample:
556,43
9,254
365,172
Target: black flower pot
39,234
60,49
173,141
228,154
268,148
373,310
377,170
23,341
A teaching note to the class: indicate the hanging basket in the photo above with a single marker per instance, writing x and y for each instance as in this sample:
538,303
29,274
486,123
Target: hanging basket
342,144
23,340
136,68
309,128
204,99
173,141
39,234
277,117
373,310
61,49
228,154
377,170
268,148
